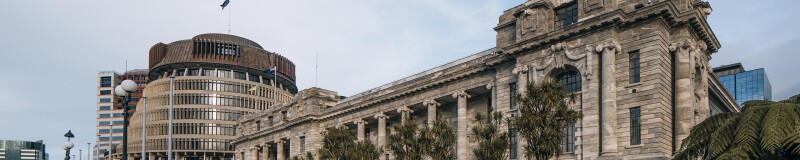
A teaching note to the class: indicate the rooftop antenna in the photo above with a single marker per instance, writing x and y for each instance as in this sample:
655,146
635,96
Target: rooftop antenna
229,20
126,66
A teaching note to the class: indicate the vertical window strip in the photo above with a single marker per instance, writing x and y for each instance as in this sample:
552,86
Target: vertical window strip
636,138
634,72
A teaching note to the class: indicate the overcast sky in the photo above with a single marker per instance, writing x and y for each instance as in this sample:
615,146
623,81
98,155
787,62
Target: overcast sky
51,51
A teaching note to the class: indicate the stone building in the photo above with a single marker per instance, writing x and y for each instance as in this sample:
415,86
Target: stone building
638,67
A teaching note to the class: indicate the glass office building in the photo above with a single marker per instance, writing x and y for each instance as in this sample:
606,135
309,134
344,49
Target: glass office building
745,85
17,150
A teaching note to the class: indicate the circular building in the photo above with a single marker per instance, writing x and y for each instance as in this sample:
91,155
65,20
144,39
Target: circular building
217,79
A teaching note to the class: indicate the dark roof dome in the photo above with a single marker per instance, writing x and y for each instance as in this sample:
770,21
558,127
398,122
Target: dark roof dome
228,38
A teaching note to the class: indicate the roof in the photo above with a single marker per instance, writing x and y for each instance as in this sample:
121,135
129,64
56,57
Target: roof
728,67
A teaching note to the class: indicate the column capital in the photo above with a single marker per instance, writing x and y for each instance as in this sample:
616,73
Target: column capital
280,141
461,94
610,46
404,109
686,44
431,103
520,69
359,121
380,116
490,85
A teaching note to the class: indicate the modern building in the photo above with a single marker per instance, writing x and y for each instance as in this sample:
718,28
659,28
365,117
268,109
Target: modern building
109,108
639,68
745,85
217,78
22,150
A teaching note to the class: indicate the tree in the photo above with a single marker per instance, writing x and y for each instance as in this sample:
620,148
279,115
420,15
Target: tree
440,139
412,141
492,143
544,115
763,130
340,143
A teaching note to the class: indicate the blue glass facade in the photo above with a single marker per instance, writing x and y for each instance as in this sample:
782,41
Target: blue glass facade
748,85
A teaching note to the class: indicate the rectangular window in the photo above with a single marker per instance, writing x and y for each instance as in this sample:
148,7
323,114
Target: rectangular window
636,130
117,130
103,108
105,116
118,122
103,138
302,144
513,97
105,81
105,92
569,139
180,72
634,67
116,139
103,131
567,15
117,114
104,123
194,72
105,100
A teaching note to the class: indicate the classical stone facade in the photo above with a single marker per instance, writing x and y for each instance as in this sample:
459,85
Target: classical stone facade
638,67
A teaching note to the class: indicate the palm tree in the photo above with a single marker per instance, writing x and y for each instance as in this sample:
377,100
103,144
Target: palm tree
544,115
492,143
412,141
340,143
440,139
405,142
763,130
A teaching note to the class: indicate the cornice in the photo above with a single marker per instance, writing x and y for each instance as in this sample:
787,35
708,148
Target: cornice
616,19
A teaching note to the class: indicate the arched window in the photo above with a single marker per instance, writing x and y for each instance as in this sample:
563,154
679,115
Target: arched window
571,80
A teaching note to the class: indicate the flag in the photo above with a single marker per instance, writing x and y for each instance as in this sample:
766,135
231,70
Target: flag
225,4
271,70
252,88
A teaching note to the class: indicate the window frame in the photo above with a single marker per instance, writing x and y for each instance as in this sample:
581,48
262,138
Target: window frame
568,11
634,67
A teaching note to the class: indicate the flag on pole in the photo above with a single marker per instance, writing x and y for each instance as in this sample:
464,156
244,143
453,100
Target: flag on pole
225,4
271,70
253,88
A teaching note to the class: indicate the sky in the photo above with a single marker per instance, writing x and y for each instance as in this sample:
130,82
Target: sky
52,50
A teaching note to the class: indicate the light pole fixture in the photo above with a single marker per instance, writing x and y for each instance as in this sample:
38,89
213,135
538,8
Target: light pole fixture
124,90
144,129
69,144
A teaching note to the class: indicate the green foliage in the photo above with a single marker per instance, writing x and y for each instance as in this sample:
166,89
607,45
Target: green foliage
763,130
492,144
405,142
340,143
441,140
544,115
412,141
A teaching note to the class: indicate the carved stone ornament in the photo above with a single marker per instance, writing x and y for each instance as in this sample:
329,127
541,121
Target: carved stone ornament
611,46
380,115
405,109
359,121
461,94
490,85
520,69
685,44
431,102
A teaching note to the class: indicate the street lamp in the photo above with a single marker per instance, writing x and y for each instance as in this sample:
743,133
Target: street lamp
69,144
124,90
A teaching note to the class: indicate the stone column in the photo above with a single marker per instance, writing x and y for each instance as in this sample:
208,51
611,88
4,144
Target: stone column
462,150
381,129
151,157
360,123
279,150
253,153
522,77
431,104
608,110
405,113
684,90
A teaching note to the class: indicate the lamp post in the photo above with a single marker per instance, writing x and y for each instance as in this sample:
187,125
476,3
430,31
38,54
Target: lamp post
69,144
89,154
144,129
125,89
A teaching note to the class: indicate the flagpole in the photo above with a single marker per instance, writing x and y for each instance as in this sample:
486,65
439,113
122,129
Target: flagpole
229,20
